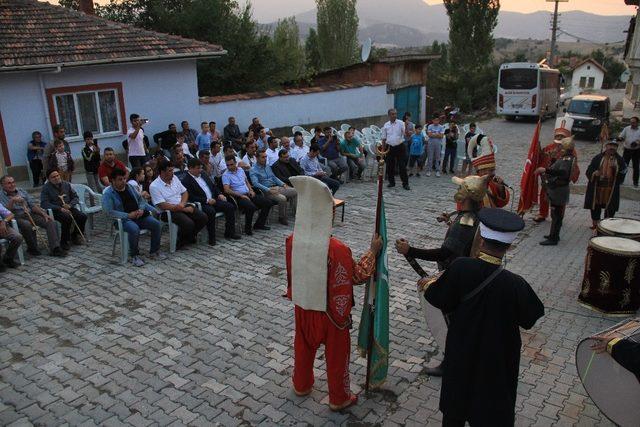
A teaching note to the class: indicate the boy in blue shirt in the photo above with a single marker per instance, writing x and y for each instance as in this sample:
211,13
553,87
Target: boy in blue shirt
416,150
203,140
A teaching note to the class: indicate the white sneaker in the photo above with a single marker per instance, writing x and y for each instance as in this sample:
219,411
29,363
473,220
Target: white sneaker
437,173
428,173
137,261
158,255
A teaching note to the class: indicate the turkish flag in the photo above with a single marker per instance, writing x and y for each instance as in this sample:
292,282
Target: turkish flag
529,181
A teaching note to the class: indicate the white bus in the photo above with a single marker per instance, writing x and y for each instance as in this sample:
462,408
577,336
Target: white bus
527,89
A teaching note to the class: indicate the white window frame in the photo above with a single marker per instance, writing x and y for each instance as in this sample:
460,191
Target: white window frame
76,105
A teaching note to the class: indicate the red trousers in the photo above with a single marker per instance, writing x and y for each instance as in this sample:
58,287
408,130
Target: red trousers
543,203
312,329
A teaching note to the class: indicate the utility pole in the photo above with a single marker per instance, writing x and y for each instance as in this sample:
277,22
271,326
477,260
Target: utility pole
554,30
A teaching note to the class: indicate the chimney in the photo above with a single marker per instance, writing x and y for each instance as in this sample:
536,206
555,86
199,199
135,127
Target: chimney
86,6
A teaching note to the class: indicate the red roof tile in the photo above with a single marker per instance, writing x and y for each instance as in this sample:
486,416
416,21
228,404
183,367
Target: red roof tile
38,35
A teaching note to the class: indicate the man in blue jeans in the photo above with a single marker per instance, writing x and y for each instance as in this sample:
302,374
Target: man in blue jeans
121,201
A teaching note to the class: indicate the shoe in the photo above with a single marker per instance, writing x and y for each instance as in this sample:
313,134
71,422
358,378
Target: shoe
418,174
137,261
436,371
158,256
444,172
211,242
10,263
261,227
2,268
65,246
406,187
452,171
411,174
350,401
428,173
539,219
302,393
77,240
58,252
549,242
283,221
34,252
437,173
232,237
390,185
248,231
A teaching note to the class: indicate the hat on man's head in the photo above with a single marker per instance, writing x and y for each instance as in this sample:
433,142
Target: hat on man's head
499,224
486,158
563,128
613,141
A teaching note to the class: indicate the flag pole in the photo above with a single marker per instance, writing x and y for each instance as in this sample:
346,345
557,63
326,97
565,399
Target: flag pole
381,152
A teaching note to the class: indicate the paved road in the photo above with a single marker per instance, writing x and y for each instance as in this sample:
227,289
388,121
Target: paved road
206,337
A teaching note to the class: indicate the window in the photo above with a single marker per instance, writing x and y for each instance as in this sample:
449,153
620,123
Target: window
518,78
591,82
583,82
95,108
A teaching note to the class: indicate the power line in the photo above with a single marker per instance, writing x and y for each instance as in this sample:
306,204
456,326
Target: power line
588,40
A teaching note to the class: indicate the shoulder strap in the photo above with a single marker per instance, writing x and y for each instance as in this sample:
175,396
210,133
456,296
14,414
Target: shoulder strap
482,285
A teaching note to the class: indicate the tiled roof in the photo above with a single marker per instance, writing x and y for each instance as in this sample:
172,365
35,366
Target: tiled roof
34,34
284,92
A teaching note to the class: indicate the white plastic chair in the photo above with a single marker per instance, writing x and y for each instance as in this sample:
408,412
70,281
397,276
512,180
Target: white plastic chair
4,242
298,129
375,129
83,191
123,236
344,127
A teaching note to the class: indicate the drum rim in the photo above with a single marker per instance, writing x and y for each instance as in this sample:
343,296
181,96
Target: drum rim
630,254
607,230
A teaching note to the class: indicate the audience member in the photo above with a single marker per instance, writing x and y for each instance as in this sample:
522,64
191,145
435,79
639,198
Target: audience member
299,149
263,178
10,235
121,201
166,139
393,140
179,161
236,184
311,167
35,156
91,159
450,149
330,150
137,150
249,157
263,139
203,140
61,198
108,164
62,161
215,135
318,137
207,168
466,162
232,134
190,136
149,176
217,160
255,126
137,180
185,147
168,194
416,150
351,149
29,215
272,151
286,167
285,143
58,134
202,190
435,132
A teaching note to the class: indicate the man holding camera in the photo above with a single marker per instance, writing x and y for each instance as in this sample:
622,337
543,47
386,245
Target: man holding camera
135,140
631,154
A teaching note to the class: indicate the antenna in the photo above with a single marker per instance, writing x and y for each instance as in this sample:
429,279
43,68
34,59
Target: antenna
366,49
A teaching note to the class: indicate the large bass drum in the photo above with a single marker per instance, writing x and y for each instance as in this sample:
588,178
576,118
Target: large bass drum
620,227
614,389
611,282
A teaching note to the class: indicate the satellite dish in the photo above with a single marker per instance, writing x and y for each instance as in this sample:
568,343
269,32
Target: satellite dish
366,49
624,77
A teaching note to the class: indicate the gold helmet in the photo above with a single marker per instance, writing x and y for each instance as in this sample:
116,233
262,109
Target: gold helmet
472,187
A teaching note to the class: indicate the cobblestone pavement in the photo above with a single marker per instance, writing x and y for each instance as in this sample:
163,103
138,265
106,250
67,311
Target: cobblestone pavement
206,337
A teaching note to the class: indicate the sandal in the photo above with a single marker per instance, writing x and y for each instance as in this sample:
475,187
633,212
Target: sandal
350,401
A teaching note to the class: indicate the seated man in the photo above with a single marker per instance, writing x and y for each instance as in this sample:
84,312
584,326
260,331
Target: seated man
166,139
202,190
286,167
311,167
207,168
262,178
217,160
168,194
330,150
236,184
109,163
272,151
351,148
249,157
285,144
29,215
232,134
59,196
121,201
299,150
12,236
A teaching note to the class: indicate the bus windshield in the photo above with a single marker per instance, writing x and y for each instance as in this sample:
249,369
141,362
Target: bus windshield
518,79
587,108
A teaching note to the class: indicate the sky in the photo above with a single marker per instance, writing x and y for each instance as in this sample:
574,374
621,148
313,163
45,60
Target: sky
600,7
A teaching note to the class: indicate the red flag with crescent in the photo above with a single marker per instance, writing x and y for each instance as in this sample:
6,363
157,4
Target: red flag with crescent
529,181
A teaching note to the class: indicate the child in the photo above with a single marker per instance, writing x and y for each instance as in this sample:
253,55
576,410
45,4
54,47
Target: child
138,177
91,159
62,160
466,163
204,137
185,148
450,148
416,149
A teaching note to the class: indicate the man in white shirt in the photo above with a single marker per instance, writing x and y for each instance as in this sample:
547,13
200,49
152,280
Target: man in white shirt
135,140
631,154
168,194
393,139
299,150
250,156
272,151
217,160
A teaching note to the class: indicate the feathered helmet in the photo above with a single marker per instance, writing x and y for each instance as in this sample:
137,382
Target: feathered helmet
472,187
563,128
486,158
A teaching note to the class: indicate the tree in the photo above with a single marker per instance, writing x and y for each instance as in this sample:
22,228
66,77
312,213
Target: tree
337,22
312,52
613,67
70,4
288,53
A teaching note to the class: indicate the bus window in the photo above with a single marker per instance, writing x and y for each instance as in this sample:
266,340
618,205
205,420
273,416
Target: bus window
518,79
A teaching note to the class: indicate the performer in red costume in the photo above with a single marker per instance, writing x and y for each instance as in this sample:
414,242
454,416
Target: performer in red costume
321,273
485,165
550,154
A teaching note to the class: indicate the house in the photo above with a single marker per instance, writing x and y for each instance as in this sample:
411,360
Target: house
587,75
87,73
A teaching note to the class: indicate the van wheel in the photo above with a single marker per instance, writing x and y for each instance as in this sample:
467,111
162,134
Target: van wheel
509,118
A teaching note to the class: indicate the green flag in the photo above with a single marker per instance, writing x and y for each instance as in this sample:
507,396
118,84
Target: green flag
377,299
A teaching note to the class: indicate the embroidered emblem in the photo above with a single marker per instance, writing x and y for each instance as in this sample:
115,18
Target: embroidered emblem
605,281
628,274
341,303
586,287
626,298
341,277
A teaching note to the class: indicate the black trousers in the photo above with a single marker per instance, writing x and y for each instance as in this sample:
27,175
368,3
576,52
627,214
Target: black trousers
596,212
229,211
632,158
189,224
36,170
137,161
397,157
66,223
249,206
333,184
557,215
452,421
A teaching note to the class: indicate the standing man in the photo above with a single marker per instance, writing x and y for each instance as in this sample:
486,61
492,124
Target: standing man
232,134
311,167
393,139
485,165
605,174
202,190
10,235
631,154
135,140
22,205
263,178
486,306
556,180
58,135
321,273
435,132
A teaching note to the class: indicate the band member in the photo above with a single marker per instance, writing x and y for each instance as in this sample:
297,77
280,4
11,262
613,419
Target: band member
485,165
550,154
556,180
624,350
322,291
605,174
486,306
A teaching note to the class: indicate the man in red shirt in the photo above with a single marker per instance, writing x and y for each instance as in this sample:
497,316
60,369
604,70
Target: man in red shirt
109,163
321,274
